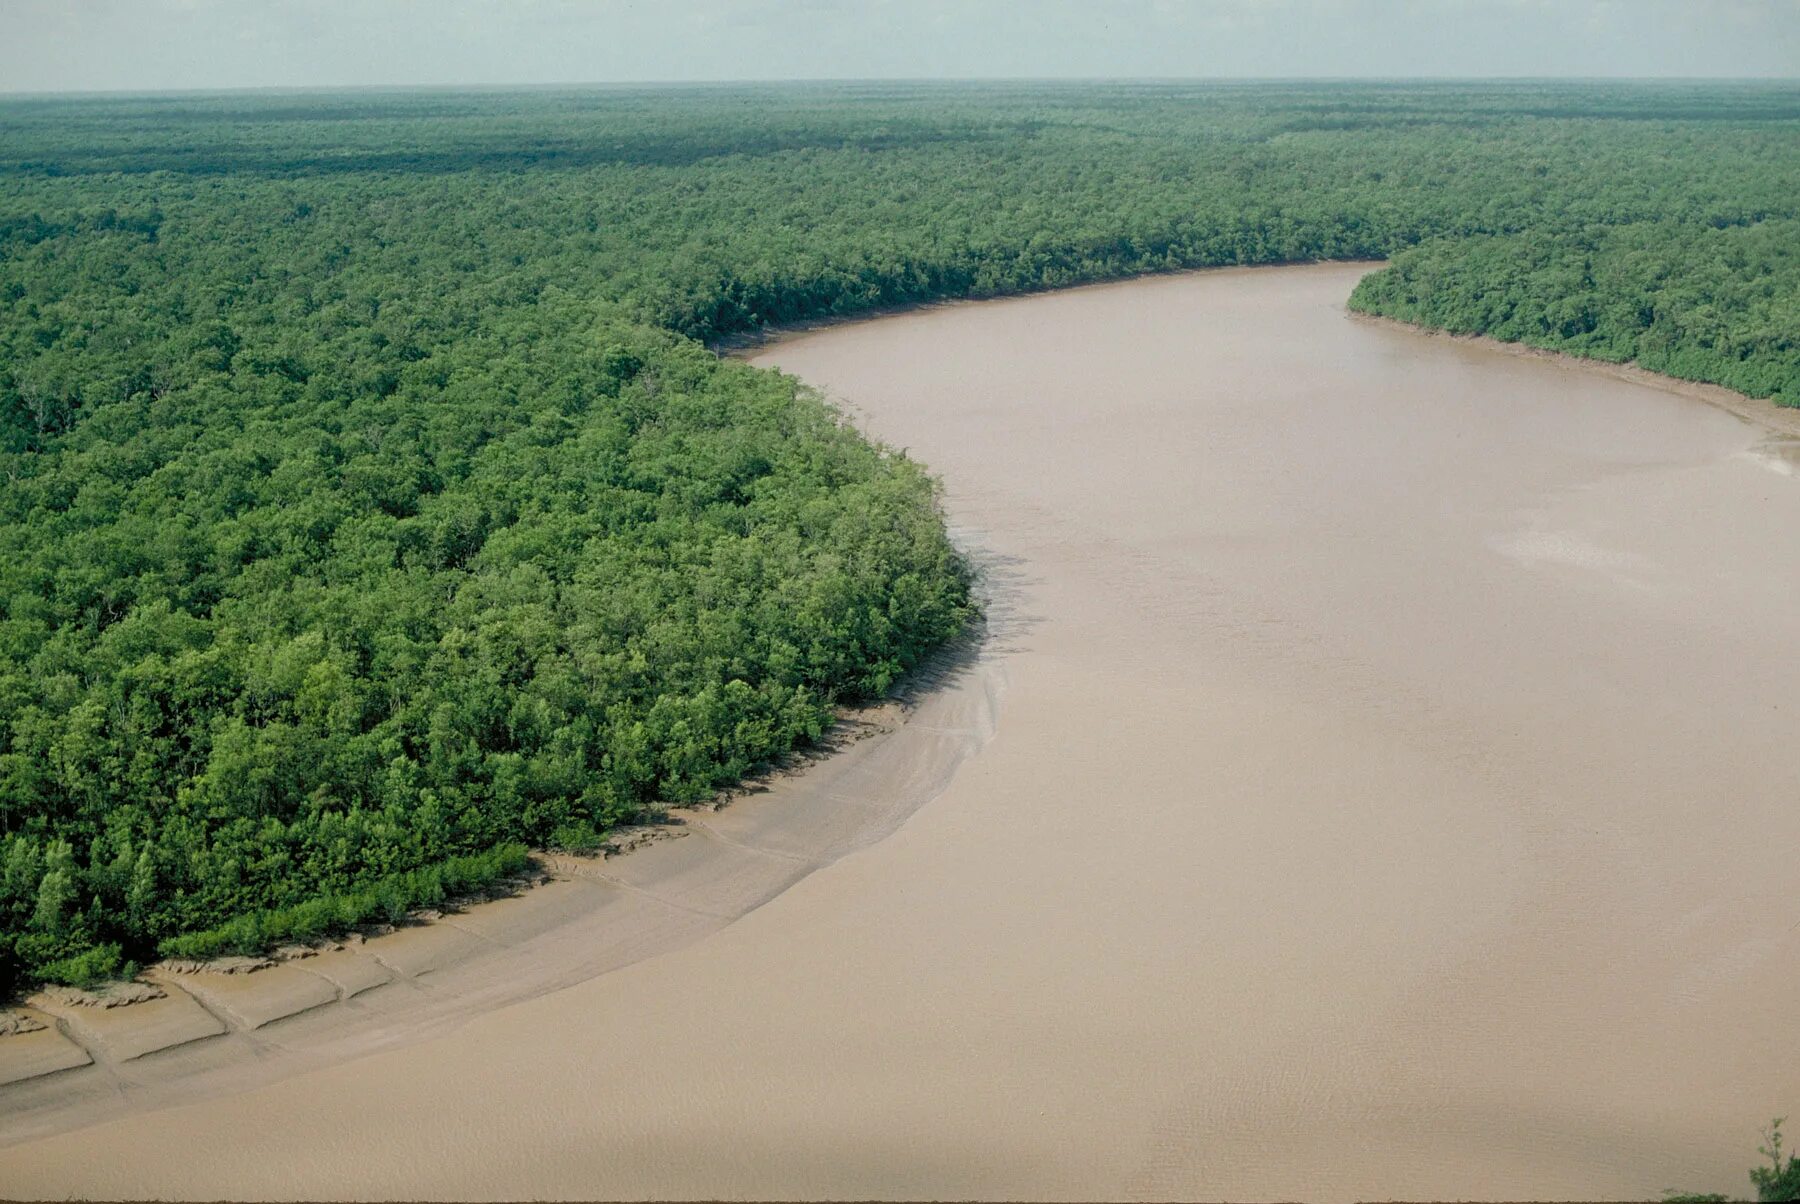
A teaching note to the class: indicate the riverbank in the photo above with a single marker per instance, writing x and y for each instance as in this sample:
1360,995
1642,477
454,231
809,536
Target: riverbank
1781,420
744,345
1396,744
186,1031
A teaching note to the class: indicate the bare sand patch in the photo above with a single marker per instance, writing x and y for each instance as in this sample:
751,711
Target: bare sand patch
254,998
519,917
31,1046
122,1033
349,971
422,948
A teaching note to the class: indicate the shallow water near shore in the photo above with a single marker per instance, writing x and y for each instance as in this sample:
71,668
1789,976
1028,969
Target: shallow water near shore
1395,795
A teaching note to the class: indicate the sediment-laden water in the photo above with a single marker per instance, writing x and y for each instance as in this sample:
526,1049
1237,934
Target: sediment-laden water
1395,794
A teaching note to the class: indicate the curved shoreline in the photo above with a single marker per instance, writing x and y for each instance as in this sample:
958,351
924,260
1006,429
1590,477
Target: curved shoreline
1174,985
748,343
200,1031
281,1016
1781,420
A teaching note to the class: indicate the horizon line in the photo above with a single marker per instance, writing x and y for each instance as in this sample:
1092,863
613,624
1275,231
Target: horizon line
947,81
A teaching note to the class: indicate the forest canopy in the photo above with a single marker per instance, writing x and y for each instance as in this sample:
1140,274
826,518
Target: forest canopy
374,507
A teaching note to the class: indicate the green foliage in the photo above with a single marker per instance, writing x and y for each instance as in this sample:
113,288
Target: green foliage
1779,1180
88,968
386,900
371,500
1696,301
578,837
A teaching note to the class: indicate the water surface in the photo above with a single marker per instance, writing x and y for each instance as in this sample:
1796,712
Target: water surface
1395,794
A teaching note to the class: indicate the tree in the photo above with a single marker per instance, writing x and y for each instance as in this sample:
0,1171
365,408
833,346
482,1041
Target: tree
1778,1180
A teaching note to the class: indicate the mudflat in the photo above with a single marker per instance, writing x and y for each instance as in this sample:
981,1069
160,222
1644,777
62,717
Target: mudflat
187,1031
1394,795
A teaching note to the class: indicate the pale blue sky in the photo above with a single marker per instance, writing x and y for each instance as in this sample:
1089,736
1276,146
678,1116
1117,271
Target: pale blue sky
56,45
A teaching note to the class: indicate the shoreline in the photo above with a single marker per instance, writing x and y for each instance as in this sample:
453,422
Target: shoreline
216,1031
1758,411
183,1031
176,1003
1255,863
745,343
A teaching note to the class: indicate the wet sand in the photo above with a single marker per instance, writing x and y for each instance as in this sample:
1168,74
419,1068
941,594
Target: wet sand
1395,795
192,1031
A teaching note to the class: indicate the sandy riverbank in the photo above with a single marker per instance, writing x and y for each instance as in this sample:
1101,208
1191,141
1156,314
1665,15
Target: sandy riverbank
1395,799
187,1032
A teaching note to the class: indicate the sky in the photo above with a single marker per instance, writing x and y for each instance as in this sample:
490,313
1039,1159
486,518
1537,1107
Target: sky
140,45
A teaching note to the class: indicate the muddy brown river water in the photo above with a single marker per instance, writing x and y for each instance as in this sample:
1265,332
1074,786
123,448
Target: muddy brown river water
1395,793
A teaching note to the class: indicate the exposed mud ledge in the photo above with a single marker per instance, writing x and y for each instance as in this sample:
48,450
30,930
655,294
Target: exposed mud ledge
189,1030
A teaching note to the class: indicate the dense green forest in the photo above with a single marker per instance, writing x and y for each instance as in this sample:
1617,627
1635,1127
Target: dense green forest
374,507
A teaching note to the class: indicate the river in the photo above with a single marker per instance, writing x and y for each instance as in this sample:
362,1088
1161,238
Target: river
1395,793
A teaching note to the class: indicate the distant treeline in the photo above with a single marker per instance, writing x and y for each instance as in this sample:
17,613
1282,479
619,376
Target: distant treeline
373,506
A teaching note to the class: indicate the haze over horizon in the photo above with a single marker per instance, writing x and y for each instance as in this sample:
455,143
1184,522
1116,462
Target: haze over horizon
155,45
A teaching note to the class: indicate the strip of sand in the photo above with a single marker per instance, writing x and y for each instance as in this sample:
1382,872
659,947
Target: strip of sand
188,1031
